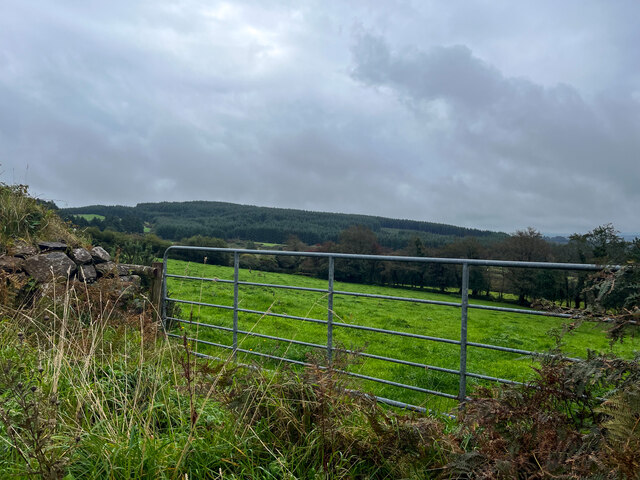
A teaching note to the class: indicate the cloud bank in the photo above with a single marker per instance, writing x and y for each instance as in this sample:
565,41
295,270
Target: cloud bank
489,116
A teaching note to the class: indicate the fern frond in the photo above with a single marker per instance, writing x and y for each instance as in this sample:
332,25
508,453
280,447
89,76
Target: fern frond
623,422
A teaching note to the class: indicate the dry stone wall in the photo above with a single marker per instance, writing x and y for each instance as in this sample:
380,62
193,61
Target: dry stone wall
56,261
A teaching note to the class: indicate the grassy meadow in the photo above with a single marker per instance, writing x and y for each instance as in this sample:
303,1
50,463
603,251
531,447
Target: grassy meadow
99,395
527,332
89,216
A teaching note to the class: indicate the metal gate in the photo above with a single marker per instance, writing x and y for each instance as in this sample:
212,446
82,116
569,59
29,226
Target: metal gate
331,324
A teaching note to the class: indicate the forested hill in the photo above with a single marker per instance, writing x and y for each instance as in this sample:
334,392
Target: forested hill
178,220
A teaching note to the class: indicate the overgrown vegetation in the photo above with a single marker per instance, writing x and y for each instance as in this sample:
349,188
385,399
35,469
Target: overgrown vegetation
24,219
106,396
129,248
575,419
89,388
556,426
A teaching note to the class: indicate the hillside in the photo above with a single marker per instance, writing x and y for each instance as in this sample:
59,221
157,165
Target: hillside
177,220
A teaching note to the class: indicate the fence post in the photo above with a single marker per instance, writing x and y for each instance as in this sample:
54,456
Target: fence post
330,313
462,392
156,289
236,268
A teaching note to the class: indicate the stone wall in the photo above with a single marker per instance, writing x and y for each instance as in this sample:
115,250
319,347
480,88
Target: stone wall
55,261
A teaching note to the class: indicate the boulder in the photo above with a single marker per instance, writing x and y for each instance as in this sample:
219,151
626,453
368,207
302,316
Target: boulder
52,246
11,264
87,273
23,250
81,256
100,255
107,269
48,266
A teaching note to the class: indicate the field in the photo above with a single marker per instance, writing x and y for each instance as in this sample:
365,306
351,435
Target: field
525,332
89,216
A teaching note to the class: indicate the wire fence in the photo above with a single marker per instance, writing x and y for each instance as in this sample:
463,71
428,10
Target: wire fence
331,323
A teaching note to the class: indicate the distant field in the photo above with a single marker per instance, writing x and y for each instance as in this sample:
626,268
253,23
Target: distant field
89,216
505,329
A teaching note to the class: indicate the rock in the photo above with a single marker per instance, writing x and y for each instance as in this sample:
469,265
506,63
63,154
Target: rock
87,273
107,269
135,280
118,269
141,270
100,255
125,269
23,250
48,266
52,246
11,264
81,256
112,269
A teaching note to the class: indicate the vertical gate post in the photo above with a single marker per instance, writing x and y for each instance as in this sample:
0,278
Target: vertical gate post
330,312
156,289
462,391
163,292
236,270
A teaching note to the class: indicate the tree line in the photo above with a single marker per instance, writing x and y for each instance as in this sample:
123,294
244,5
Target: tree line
178,220
603,245
218,224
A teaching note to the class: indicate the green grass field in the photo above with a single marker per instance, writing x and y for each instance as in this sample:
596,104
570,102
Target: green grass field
269,245
527,332
89,216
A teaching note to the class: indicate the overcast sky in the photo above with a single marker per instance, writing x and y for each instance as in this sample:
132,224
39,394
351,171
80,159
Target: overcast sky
489,114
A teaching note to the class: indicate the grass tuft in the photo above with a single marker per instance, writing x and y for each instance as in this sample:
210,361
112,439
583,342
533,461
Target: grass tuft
24,219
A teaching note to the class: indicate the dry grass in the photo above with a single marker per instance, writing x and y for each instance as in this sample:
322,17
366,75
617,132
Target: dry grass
23,219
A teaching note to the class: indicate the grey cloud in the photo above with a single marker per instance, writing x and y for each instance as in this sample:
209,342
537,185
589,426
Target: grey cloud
452,73
125,102
510,135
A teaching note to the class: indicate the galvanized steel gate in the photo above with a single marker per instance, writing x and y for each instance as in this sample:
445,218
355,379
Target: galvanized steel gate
330,292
